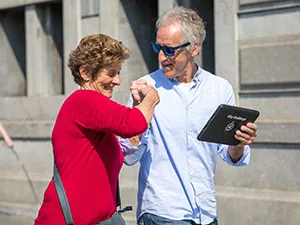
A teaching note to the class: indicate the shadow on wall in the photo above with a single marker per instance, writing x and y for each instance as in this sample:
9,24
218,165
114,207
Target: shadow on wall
142,23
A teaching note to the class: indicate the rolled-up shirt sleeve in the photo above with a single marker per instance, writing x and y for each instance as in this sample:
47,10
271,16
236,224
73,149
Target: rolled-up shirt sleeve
223,149
244,160
133,154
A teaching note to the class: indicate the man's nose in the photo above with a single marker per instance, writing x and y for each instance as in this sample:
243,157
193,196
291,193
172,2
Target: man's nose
161,56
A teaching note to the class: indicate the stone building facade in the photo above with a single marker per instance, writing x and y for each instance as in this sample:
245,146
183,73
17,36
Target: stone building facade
255,44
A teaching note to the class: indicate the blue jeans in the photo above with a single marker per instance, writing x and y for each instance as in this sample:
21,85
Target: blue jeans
151,219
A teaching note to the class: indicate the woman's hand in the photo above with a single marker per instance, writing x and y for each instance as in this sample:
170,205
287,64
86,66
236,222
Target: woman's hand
140,88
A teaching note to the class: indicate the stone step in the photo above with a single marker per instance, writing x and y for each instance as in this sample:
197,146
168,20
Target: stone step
6,219
25,210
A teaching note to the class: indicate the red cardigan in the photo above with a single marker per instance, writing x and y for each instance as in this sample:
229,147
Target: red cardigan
88,156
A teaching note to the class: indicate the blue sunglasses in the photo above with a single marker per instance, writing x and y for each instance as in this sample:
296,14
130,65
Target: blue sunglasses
167,50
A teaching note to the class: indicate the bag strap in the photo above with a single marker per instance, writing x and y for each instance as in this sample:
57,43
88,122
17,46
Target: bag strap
118,195
64,204
121,210
62,197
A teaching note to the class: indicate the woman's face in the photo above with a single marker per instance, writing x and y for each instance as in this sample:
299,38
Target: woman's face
107,78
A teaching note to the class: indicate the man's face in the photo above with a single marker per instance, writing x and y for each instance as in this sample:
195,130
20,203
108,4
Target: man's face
177,65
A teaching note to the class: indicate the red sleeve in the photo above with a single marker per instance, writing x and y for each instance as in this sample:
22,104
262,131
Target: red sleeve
92,110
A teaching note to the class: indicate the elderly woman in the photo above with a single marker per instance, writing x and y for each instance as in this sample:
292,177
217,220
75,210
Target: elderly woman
86,150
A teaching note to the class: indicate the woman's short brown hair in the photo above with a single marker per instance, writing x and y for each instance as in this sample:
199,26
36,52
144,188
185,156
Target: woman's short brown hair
94,52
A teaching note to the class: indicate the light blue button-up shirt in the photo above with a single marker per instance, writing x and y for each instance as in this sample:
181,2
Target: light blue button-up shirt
176,177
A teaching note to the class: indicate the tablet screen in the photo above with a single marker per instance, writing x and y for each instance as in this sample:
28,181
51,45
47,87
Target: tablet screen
223,124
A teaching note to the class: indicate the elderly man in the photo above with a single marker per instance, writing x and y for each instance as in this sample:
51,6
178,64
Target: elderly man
176,177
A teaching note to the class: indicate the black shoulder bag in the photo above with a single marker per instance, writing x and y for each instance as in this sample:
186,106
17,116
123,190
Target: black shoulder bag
116,218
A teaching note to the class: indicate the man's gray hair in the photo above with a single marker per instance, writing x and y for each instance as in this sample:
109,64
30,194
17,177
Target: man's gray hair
192,26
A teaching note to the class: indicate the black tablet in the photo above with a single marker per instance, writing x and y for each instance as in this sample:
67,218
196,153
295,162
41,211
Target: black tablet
222,125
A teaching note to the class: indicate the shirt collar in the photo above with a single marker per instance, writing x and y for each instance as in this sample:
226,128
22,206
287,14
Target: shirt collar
197,77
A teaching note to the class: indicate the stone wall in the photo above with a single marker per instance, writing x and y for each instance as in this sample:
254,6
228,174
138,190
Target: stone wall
254,44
